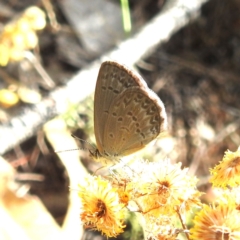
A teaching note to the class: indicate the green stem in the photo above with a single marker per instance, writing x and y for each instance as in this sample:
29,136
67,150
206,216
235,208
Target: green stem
127,25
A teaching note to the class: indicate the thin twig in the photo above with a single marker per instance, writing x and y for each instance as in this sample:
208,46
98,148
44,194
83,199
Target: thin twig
183,224
47,81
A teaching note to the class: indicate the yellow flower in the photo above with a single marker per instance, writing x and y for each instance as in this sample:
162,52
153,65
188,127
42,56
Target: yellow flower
101,209
161,228
124,196
35,17
20,35
123,186
228,196
216,222
164,187
4,54
227,172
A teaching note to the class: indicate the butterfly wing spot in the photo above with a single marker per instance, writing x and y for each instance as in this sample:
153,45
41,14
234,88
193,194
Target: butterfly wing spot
139,132
111,135
151,110
104,88
116,91
105,76
134,119
145,104
120,119
110,88
138,98
143,135
130,114
154,130
126,101
127,84
154,120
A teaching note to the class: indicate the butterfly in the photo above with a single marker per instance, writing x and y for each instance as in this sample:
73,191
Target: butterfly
127,114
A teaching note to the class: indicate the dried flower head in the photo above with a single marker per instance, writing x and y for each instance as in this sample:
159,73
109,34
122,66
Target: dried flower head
227,172
164,187
101,209
216,222
161,228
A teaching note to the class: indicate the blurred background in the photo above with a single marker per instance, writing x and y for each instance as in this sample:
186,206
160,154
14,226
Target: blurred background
50,53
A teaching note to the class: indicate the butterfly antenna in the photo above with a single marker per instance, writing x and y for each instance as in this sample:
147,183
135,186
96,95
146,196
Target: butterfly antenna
82,140
73,149
95,173
68,150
